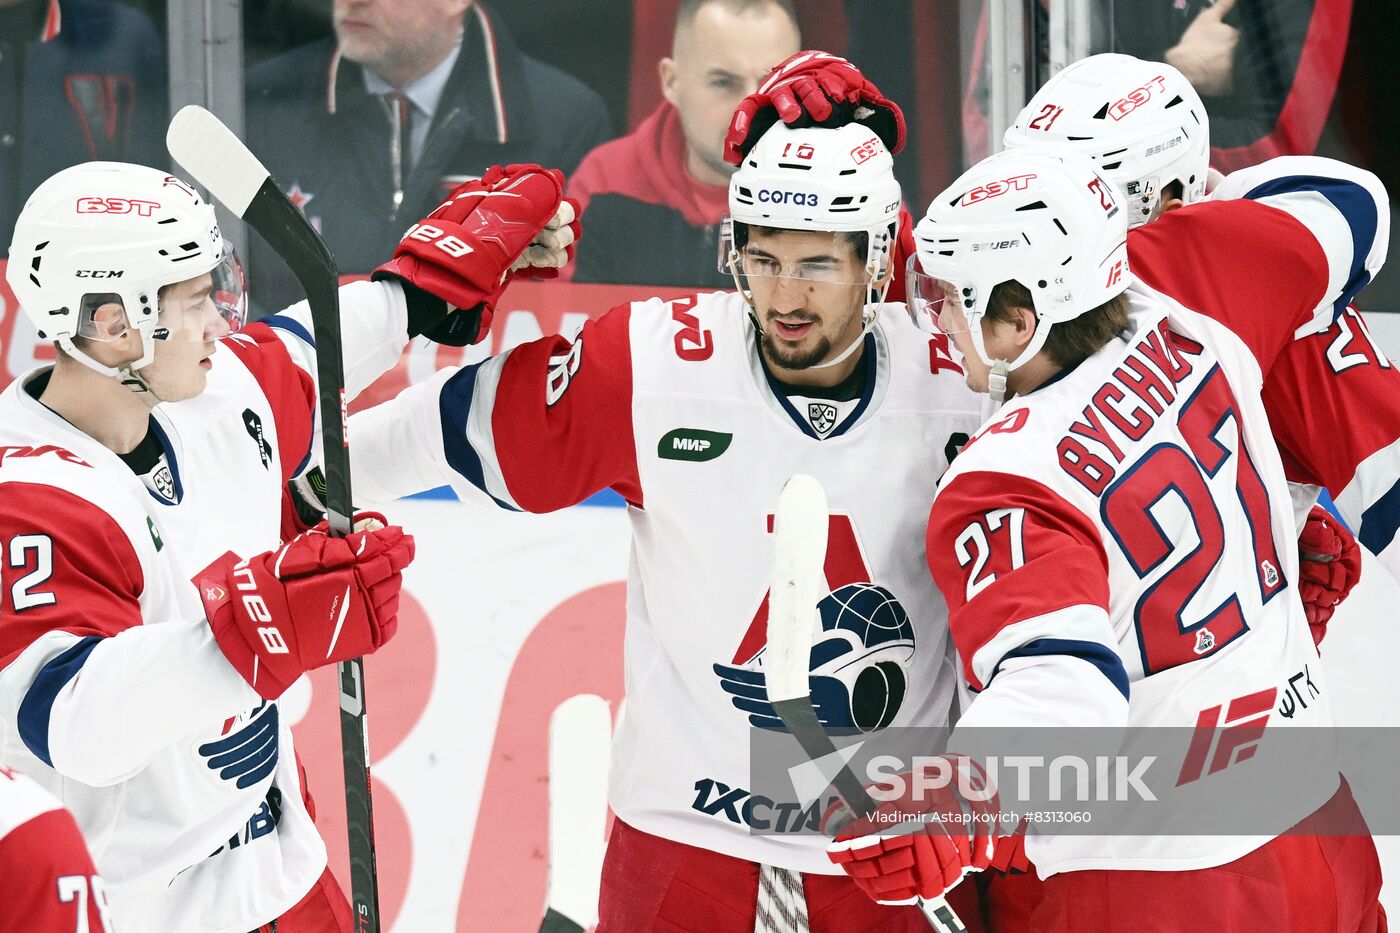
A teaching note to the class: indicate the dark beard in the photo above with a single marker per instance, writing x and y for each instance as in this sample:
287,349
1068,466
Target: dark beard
784,358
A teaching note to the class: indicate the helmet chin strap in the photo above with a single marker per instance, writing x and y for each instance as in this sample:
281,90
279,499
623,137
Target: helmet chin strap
128,374
996,389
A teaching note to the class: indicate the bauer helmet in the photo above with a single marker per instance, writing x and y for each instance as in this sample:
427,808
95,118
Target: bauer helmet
1140,122
1048,221
110,232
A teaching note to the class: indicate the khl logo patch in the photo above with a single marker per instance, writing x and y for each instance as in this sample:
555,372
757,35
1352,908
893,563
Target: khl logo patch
822,416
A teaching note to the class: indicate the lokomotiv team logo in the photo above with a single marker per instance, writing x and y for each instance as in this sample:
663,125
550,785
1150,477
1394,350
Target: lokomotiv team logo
859,663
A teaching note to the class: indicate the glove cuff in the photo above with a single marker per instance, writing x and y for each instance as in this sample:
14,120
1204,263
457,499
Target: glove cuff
224,622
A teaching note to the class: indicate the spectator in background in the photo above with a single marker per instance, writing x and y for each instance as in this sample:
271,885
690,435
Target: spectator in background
80,80
653,199
1267,71
421,96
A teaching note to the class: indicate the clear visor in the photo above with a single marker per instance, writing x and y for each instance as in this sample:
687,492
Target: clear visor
220,293
811,257
936,305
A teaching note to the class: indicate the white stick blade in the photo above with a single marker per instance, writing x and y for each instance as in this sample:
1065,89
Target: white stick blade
799,557
580,738
215,157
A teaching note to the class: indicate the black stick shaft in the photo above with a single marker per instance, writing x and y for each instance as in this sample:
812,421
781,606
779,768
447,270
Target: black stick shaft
286,230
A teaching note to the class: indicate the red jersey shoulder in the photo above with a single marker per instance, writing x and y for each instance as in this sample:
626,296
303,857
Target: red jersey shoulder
1252,267
72,567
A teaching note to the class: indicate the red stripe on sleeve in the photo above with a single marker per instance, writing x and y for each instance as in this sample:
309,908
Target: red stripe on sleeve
289,389
1252,267
1058,562
94,579
562,420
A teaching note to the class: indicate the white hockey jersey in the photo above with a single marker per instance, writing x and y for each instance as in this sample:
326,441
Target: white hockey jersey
113,693
1118,546
668,404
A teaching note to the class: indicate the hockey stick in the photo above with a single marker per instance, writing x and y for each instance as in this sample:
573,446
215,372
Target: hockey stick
799,553
580,735
219,161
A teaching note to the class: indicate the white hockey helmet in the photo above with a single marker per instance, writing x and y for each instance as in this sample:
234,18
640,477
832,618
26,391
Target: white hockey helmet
1141,122
1046,220
817,178
105,232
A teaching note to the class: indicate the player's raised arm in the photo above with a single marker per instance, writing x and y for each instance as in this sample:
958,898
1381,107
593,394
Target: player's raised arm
540,427
1277,254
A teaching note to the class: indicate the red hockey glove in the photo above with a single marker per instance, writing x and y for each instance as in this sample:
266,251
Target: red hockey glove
813,89
923,842
1329,564
314,601
511,219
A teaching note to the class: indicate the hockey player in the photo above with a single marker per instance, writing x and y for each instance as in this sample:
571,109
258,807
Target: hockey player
140,659
50,883
697,411
1154,145
1146,129
1116,544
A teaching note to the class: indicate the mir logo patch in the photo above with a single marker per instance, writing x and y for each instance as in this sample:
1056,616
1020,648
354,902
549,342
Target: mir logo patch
692,444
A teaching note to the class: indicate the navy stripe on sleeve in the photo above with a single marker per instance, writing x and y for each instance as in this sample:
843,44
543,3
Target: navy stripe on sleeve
1354,202
1379,521
37,705
454,409
291,325
1101,656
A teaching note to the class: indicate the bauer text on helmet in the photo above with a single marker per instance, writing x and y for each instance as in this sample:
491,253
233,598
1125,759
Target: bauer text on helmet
1048,222
1140,122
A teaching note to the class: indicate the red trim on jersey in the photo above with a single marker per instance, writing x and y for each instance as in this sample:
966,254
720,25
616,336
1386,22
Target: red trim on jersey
1064,563
1252,267
289,389
1304,112
96,580
33,857
553,456
1330,411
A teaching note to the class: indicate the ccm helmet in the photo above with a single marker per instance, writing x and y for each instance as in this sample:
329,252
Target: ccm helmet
110,232
1140,122
816,178
1048,221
